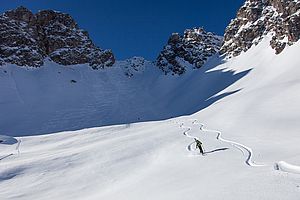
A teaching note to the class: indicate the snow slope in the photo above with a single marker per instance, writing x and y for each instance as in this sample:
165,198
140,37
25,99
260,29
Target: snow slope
266,112
248,113
46,100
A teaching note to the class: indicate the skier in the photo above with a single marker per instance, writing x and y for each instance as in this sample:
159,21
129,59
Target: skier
199,146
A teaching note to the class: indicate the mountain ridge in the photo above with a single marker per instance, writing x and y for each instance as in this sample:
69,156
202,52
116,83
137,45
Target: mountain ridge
258,18
194,47
28,39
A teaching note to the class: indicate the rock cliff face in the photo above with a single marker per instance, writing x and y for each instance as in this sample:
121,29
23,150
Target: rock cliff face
26,39
194,47
257,18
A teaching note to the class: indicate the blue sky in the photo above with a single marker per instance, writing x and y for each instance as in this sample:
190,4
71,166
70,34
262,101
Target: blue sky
137,27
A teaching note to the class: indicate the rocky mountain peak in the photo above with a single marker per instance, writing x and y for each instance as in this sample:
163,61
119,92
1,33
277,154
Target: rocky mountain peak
257,18
26,39
20,14
194,47
50,17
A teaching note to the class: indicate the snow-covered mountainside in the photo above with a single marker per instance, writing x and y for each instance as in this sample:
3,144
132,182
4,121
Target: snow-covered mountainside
257,18
193,48
128,131
257,116
55,97
129,91
27,39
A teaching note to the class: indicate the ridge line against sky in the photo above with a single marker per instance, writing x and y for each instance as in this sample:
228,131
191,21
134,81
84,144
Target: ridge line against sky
134,27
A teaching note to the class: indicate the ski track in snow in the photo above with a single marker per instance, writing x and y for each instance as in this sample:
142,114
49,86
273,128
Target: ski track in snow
280,166
11,154
18,146
243,148
2,158
286,167
16,88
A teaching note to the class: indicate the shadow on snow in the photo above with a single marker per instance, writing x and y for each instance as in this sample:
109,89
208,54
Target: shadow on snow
185,95
216,150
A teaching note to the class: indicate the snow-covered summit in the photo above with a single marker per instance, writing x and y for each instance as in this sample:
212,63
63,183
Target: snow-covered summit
26,39
257,18
194,47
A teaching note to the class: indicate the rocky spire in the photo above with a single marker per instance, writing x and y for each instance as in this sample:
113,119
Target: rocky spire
26,39
257,18
194,47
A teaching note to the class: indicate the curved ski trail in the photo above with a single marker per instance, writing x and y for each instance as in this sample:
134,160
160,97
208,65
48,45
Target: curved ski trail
11,154
243,148
189,147
286,167
281,166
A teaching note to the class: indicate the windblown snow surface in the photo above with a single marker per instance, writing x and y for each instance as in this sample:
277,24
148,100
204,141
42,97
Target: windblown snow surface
107,136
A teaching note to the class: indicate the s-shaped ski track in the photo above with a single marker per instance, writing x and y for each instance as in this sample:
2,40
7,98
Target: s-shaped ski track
243,148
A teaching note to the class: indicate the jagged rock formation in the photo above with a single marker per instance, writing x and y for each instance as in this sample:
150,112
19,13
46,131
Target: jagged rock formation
134,65
26,39
194,48
257,18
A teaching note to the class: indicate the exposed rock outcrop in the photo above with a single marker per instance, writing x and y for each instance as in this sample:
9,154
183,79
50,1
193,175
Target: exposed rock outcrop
194,47
134,65
26,39
257,18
